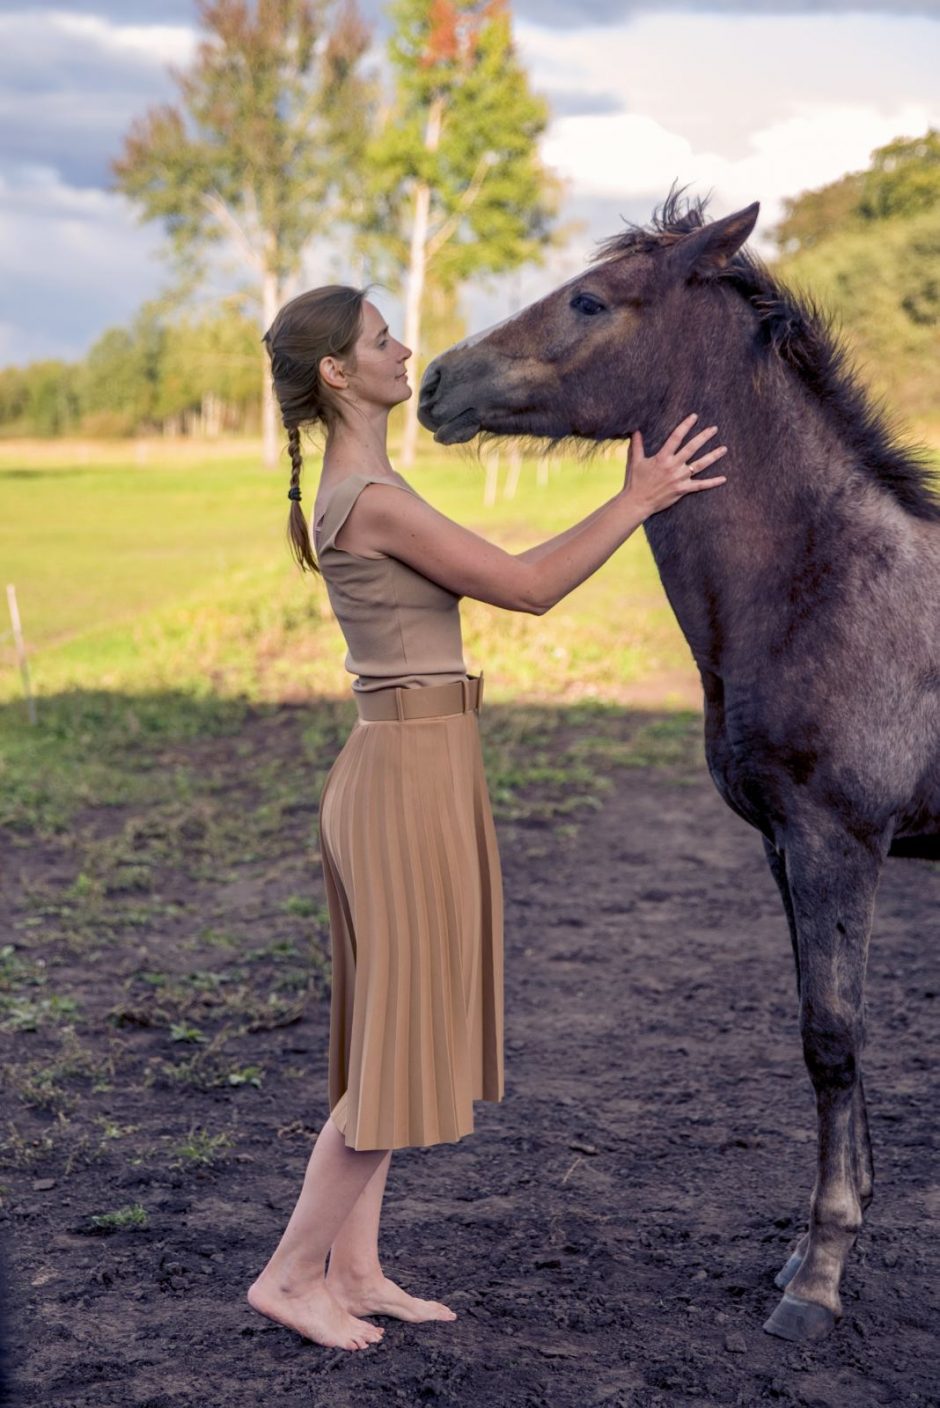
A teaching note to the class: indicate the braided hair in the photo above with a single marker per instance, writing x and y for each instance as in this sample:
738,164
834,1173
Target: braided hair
320,323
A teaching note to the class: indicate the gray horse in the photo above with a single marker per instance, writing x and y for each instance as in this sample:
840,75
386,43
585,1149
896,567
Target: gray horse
808,588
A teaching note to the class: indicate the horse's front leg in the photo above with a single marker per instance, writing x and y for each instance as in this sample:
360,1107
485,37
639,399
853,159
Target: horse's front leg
831,879
778,869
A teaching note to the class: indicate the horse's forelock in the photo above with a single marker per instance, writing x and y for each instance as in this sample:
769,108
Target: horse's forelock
670,222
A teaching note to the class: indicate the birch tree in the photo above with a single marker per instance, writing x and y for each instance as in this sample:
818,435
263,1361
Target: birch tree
457,187
263,151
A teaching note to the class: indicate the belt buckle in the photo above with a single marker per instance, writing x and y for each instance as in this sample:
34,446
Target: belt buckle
465,693
399,704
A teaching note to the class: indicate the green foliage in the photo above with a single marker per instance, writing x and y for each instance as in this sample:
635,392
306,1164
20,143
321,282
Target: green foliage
443,323
813,215
41,399
883,285
133,1215
492,202
903,180
216,354
867,247
141,378
262,149
120,375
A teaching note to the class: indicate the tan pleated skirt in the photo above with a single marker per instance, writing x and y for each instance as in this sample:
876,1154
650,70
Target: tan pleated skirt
414,889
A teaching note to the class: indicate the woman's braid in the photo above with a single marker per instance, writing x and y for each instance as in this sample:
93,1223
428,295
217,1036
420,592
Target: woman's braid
297,533
296,456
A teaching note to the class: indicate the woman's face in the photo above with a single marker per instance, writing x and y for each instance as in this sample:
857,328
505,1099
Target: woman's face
379,376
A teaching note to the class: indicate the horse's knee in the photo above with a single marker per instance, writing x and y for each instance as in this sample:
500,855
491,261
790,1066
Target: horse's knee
831,1047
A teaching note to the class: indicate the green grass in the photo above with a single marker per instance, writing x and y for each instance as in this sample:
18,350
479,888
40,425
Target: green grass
133,578
160,606
134,1215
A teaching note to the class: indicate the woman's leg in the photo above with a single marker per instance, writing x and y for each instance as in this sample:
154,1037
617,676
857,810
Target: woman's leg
355,1274
292,1287
354,1255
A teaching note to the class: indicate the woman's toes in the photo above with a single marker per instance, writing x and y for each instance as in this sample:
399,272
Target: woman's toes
439,1310
371,1334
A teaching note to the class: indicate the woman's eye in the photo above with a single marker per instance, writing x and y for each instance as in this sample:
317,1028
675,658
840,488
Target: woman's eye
587,303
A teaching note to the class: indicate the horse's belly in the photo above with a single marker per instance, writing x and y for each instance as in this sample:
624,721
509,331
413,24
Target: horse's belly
920,820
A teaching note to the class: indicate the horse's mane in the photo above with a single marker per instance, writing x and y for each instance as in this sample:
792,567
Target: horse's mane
794,328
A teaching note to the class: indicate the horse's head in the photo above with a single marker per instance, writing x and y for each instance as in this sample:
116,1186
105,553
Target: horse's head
594,358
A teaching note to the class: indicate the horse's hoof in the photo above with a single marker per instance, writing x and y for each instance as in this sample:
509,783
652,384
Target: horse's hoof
787,1272
803,1321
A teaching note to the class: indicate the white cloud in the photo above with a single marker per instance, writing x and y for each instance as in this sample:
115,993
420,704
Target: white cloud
617,154
751,107
155,44
626,155
715,79
70,84
76,261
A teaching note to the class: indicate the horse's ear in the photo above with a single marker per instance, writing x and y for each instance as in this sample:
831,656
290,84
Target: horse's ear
706,250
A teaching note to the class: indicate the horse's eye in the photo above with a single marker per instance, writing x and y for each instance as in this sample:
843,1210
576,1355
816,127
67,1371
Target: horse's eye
587,303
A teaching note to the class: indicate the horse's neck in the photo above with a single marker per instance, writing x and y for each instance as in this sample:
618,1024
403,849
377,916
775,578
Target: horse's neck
735,560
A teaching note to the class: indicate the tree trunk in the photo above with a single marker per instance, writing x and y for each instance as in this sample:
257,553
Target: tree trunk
416,267
270,413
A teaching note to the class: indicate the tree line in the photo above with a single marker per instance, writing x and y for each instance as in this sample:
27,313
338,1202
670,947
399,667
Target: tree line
181,375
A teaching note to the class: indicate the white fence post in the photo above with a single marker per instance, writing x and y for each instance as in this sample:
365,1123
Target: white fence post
491,485
21,650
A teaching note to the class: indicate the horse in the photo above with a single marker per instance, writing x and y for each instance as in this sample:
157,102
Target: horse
807,587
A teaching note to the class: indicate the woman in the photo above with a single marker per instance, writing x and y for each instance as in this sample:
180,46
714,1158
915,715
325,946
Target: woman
406,832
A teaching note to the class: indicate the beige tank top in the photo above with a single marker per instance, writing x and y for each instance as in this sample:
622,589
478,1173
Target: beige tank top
399,626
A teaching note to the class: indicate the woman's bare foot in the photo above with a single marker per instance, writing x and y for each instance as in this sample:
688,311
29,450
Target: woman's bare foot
377,1295
313,1311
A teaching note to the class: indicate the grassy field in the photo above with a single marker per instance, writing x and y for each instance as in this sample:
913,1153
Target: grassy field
159,603
175,569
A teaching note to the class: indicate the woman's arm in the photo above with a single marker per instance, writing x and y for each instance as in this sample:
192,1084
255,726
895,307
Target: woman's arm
534,554
406,527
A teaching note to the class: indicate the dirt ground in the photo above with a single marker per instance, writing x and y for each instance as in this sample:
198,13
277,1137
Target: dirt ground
609,1233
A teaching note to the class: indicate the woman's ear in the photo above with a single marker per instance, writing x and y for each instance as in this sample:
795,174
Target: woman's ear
333,373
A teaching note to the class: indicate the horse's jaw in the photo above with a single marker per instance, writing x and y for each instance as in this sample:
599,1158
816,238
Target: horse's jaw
459,429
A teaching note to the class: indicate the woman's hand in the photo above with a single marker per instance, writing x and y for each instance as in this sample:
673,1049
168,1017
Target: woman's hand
653,484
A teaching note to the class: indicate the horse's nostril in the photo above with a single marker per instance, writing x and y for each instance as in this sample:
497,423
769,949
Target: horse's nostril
430,380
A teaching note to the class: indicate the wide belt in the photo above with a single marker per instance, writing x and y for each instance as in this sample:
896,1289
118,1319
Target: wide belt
430,701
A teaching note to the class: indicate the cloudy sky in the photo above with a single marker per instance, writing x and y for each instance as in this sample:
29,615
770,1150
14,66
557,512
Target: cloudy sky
746,99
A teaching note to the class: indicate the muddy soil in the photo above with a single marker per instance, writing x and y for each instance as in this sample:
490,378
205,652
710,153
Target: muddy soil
609,1233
